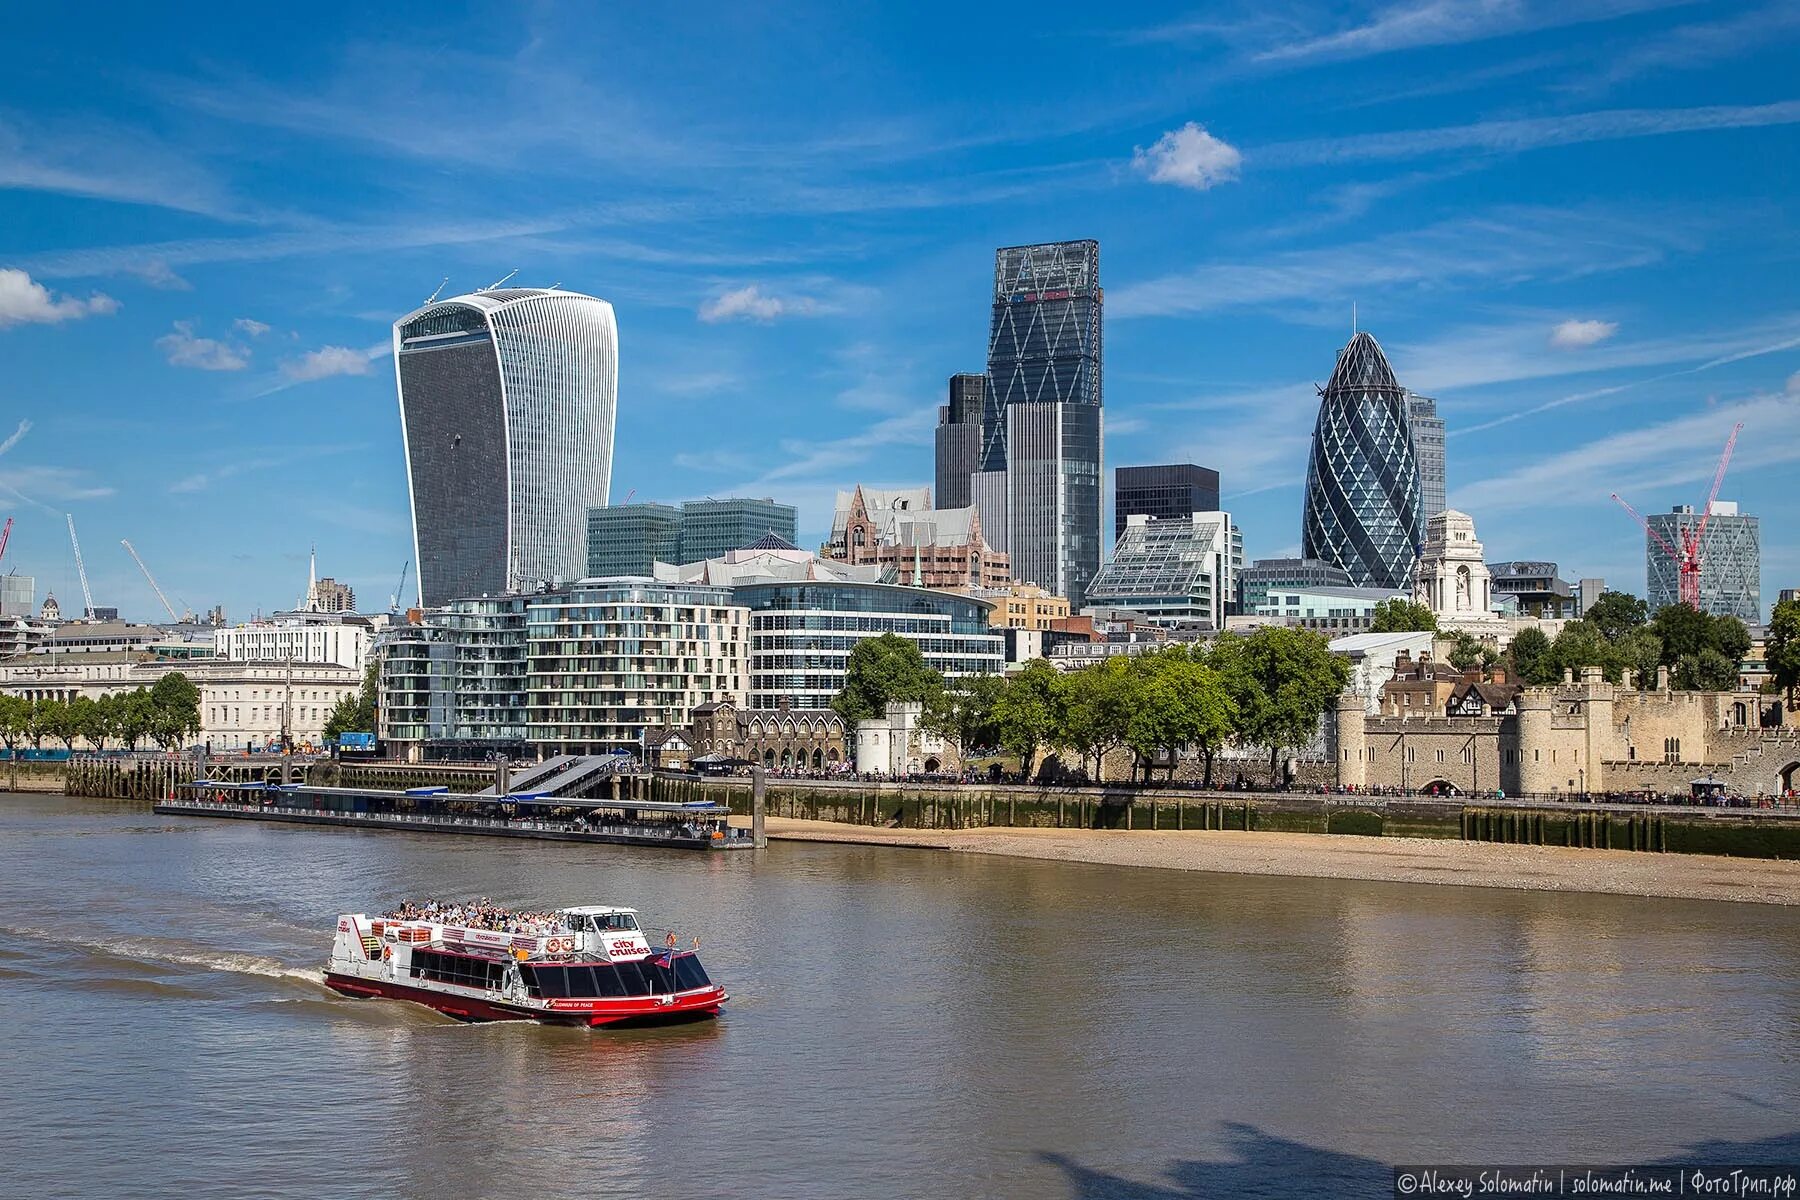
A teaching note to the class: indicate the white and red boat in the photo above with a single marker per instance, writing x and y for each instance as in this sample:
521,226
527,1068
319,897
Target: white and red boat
590,965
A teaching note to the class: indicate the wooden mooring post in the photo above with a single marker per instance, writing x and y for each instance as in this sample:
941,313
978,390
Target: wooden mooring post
759,796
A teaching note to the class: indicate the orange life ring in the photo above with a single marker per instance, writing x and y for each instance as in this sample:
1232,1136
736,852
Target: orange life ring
387,952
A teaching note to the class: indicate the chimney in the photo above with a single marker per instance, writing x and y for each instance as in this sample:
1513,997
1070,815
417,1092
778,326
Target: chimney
1591,675
1662,679
1568,674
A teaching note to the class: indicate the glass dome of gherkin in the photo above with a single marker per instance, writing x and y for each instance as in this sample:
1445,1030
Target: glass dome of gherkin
1362,481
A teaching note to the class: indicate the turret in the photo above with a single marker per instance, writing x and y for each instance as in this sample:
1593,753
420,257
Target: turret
1536,773
1352,740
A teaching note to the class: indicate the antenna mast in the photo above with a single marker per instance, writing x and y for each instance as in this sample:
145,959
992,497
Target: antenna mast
87,597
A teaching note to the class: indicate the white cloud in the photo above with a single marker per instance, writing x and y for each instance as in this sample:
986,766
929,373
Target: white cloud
1573,335
327,361
158,274
1528,133
23,300
18,435
184,349
1188,157
249,326
750,303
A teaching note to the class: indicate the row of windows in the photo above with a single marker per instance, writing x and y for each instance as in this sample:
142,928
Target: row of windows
458,969
608,980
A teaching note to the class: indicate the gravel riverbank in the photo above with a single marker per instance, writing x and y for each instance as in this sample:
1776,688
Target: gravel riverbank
1392,860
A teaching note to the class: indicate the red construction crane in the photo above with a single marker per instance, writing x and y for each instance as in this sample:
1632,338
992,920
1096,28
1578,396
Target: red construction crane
4,534
1687,557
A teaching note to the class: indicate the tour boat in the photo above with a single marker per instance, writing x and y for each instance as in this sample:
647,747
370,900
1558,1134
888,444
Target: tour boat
590,965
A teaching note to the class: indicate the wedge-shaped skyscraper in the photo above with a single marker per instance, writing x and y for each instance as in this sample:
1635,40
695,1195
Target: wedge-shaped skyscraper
507,399
1362,508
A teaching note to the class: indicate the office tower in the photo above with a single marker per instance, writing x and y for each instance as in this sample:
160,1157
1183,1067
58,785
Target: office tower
1730,560
1362,481
1269,575
18,596
1041,454
507,399
959,440
1179,570
710,528
1428,446
1178,490
627,539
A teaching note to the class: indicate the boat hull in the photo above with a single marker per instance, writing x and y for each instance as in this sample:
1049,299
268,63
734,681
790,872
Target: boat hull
635,1010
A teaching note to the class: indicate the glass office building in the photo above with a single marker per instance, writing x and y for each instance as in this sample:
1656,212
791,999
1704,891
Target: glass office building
802,632
1041,426
1730,561
507,400
628,539
1428,445
1265,575
1174,570
458,682
1176,490
710,528
959,441
1362,480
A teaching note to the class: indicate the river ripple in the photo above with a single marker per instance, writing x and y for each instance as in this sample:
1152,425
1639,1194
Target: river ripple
903,1023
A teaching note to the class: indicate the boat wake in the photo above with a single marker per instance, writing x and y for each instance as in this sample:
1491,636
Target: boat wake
153,951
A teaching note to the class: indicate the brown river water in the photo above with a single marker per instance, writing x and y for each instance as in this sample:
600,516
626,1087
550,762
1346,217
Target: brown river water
903,1023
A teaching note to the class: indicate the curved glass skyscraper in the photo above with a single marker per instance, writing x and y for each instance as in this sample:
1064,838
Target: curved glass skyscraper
1362,484
507,399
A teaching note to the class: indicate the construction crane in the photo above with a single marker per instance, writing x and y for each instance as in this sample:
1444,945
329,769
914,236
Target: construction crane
136,558
1687,555
87,597
4,535
394,600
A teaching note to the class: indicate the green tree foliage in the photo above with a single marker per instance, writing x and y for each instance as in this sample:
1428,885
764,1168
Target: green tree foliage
1639,650
1402,616
1616,614
962,712
354,714
1783,649
1470,652
1581,645
1293,679
136,717
880,670
15,721
1707,671
1684,631
1177,702
60,720
1096,705
1532,661
1225,655
98,719
174,710
1028,713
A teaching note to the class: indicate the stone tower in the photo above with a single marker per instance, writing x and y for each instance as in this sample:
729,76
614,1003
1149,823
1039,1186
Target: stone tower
1352,740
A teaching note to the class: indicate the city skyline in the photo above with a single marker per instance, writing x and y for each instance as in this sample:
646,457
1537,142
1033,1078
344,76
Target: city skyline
200,265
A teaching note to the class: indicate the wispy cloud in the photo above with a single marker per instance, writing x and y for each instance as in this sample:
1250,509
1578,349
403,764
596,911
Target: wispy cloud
1527,133
751,303
100,160
250,326
1577,335
244,463
17,436
184,348
1424,23
1637,461
1188,157
1694,44
327,361
1511,246
25,301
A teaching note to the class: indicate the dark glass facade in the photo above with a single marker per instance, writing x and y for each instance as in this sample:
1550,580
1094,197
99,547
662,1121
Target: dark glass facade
1362,480
1177,490
710,528
629,539
1044,353
959,440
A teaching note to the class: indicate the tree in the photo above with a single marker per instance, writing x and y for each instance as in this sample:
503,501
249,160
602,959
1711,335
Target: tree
15,720
1580,645
1179,703
1688,635
1402,616
1683,630
175,710
1532,660
1225,655
1639,650
1616,614
1096,706
354,714
1470,652
1729,637
62,721
1783,648
135,716
1294,678
95,718
37,726
880,670
1707,671
1028,712
962,712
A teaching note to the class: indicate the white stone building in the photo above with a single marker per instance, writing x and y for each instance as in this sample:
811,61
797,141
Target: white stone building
1452,579
895,744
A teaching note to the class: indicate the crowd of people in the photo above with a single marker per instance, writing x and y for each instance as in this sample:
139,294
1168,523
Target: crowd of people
480,913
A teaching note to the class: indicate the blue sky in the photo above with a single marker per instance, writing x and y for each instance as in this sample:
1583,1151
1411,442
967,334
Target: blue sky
1573,222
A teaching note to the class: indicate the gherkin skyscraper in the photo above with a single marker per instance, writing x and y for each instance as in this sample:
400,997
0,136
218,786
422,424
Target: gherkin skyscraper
1362,483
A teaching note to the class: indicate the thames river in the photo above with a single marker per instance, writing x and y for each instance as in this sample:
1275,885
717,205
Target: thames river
902,1023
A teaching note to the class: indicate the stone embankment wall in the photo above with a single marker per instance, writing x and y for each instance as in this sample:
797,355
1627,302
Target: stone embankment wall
32,776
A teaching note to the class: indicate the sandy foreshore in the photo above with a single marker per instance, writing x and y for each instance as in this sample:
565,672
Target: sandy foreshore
1320,856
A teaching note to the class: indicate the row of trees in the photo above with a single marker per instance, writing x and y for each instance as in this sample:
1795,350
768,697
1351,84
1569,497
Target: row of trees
1703,652
354,714
167,714
1266,689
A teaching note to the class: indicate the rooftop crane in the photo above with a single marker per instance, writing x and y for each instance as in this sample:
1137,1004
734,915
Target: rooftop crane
4,535
87,597
132,550
394,600
1686,555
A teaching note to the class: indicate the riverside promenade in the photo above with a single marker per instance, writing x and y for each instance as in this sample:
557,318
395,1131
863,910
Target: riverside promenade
1338,856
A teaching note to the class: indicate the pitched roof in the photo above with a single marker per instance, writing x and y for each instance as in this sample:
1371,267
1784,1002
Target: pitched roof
771,541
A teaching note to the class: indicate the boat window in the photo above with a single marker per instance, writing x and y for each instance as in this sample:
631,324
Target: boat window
553,982
689,973
607,982
619,921
658,977
581,982
630,980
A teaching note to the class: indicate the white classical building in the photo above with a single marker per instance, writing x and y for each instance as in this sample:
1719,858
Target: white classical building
895,743
1452,580
340,639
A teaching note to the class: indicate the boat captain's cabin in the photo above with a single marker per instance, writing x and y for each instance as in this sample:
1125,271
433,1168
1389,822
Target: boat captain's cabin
599,919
